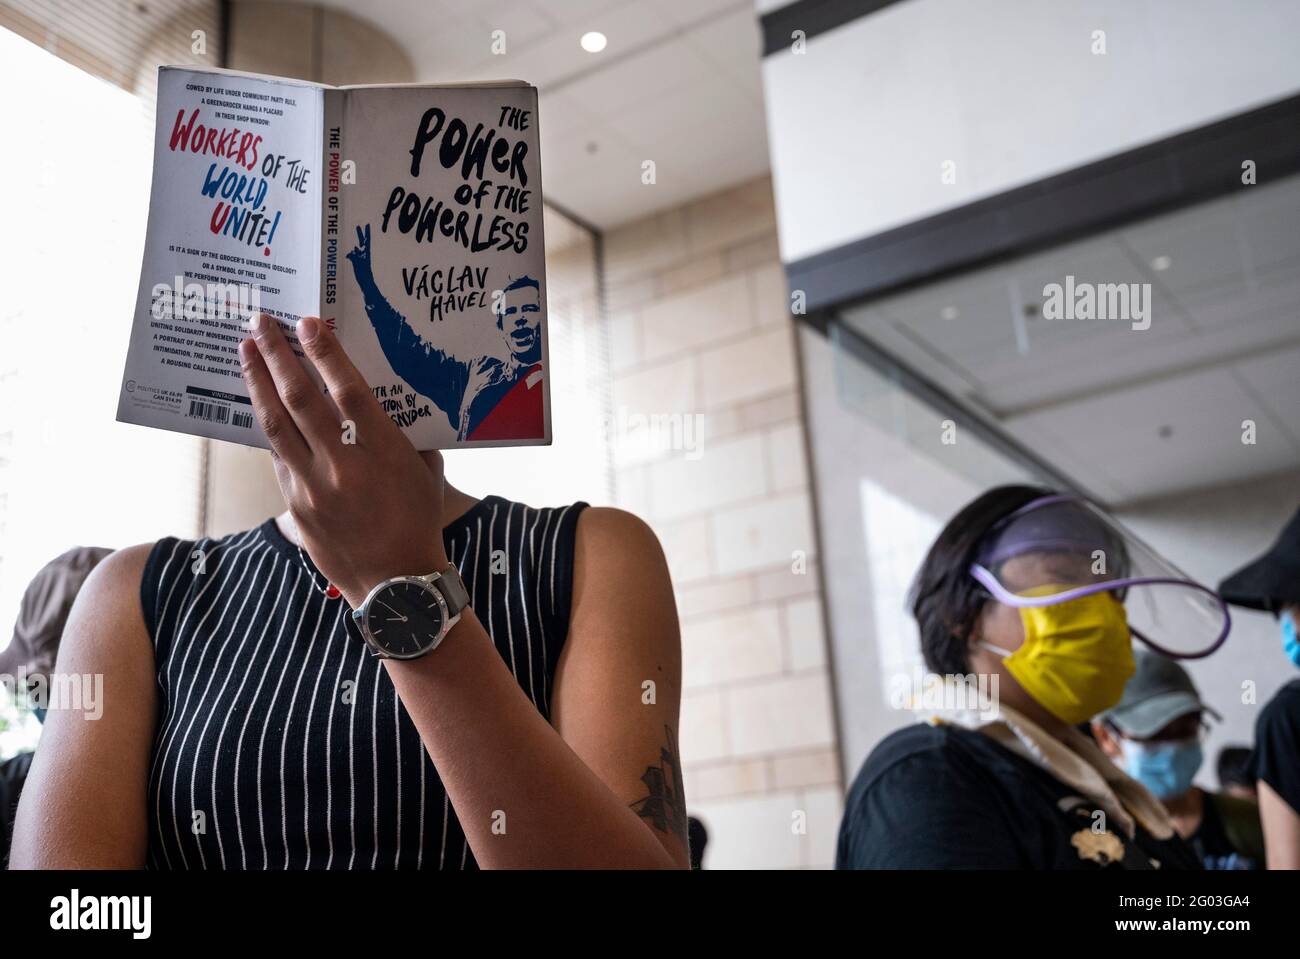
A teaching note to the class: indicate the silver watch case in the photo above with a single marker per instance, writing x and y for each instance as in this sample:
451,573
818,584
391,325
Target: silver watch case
429,584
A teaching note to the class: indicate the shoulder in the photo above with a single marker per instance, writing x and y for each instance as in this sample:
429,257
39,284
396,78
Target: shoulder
172,567
556,529
929,741
931,797
127,571
617,555
617,535
923,764
1286,700
1282,712
107,618
922,751
122,566
621,583
171,555
117,578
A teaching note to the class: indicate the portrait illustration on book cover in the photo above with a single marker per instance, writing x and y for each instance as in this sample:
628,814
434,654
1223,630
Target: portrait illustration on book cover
485,397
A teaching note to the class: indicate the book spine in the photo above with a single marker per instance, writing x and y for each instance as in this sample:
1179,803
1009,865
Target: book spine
332,240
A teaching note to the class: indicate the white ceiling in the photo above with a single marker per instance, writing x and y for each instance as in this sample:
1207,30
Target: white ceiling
1131,414
678,84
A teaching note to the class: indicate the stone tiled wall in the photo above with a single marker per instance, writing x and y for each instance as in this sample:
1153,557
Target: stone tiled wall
700,328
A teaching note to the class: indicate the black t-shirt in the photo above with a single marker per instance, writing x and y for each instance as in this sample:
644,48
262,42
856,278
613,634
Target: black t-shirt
1276,758
1213,844
945,797
13,773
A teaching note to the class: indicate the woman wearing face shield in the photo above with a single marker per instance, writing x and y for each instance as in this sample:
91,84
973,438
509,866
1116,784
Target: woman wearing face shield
1033,598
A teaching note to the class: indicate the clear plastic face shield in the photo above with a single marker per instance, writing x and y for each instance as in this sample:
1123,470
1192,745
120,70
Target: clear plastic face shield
1060,547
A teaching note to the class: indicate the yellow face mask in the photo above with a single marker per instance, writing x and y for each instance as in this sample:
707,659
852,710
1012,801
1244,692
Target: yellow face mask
1077,655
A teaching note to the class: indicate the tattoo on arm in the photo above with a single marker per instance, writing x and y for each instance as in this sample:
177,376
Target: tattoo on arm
665,806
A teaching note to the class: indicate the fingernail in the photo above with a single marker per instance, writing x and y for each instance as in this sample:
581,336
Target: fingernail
246,350
257,322
308,328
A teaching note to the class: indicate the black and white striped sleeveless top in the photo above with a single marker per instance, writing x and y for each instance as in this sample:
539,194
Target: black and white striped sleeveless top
281,743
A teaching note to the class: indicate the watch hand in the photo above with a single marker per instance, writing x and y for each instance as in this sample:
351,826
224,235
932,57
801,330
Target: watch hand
389,608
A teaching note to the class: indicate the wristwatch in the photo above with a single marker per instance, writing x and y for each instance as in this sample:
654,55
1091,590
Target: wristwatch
407,616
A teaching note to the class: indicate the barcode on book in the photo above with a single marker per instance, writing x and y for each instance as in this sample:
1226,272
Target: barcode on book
219,413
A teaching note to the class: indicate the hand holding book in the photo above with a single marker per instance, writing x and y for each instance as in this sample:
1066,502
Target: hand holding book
367,505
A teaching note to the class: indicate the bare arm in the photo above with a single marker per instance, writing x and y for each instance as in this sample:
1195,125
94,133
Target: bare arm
83,806
1281,829
617,695
600,789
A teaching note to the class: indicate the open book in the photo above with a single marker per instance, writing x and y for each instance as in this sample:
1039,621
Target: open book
409,218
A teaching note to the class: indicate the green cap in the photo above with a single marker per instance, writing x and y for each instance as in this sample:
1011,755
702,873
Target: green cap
1159,692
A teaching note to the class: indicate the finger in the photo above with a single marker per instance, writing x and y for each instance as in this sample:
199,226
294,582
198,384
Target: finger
310,411
367,234
286,442
361,239
348,388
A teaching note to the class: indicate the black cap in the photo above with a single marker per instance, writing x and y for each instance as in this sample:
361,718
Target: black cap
1273,580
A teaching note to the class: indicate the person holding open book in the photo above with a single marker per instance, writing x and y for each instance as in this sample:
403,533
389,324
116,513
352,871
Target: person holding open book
391,674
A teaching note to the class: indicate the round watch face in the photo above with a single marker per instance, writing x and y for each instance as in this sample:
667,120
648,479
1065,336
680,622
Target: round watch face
405,617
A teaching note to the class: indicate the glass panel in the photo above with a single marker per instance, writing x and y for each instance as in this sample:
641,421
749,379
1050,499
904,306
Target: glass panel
1129,359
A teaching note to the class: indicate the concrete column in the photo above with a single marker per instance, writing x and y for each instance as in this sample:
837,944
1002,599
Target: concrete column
308,42
312,42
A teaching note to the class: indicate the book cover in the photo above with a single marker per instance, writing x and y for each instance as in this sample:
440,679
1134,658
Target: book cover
409,218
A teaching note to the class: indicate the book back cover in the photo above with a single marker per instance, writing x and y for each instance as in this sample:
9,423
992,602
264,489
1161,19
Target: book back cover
234,226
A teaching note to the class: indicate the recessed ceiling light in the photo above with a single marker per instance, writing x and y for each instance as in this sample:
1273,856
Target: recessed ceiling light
1161,263
948,313
593,41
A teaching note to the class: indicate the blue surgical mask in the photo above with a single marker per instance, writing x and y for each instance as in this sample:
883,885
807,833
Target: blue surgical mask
1290,643
1166,769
